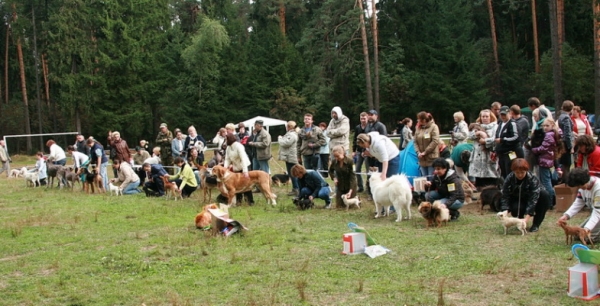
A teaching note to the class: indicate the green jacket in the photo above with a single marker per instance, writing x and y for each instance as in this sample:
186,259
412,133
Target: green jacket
164,141
187,176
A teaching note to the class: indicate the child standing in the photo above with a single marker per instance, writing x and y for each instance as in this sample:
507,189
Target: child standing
40,166
546,153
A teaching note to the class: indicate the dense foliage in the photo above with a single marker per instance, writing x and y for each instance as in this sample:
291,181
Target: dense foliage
130,65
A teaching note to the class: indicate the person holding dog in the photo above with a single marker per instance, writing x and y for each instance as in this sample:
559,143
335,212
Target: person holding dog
344,177
195,140
588,196
523,195
237,160
57,154
185,179
312,185
127,179
446,187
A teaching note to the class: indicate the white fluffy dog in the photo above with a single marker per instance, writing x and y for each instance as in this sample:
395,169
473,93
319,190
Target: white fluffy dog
32,177
510,221
350,201
395,190
114,189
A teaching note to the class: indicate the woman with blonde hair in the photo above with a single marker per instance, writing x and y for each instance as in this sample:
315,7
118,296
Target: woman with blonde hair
343,175
288,152
460,132
548,151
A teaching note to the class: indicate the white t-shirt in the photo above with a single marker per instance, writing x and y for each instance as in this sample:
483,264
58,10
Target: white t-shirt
57,153
79,158
581,128
589,198
382,148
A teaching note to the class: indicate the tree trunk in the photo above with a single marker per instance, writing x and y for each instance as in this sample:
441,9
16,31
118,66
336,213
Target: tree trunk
6,64
556,55
375,54
596,11
45,74
38,87
560,19
363,33
494,39
536,50
24,93
282,17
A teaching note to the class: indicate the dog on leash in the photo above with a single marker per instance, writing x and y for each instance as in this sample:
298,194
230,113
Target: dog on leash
54,171
114,189
16,173
508,222
33,178
71,177
434,214
572,231
92,180
171,189
208,182
231,183
395,190
280,179
490,195
350,201
303,203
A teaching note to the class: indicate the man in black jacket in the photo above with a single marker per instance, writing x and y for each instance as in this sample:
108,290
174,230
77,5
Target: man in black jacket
357,150
568,138
446,186
507,141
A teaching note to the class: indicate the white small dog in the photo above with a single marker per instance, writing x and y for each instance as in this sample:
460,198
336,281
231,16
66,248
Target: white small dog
510,221
395,190
32,177
350,201
14,173
114,189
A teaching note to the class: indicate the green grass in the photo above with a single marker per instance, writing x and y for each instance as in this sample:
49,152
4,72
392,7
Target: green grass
60,247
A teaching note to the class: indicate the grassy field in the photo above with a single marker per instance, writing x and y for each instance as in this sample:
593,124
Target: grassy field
62,247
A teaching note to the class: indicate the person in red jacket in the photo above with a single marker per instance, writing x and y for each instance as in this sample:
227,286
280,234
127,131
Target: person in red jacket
588,154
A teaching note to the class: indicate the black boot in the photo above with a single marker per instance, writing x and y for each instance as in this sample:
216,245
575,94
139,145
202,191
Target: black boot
454,214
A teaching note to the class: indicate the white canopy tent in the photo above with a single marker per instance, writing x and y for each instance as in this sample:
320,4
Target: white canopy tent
267,122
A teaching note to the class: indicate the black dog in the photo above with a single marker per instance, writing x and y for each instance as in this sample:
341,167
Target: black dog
303,204
280,179
491,195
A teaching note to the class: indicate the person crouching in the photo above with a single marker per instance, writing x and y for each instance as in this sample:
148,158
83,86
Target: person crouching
446,186
312,185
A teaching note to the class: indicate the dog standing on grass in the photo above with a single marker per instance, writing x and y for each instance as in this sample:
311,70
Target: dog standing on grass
508,222
348,201
572,231
92,180
171,189
395,191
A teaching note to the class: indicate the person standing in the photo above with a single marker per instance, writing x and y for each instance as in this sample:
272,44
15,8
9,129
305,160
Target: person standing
357,151
236,158
522,128
546,153
427,140
507,141
121,148
460,132
98,158
288,145
4,158
342,173
310,140
407,134
324,152
177,148
338,130
481,165
495,107
80,145
261,147
163,140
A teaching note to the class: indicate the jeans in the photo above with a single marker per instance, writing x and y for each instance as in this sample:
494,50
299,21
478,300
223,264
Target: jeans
358,168
546,181
434,195
131,188
294,180
104,174
323,194
260,165
427,172
393,166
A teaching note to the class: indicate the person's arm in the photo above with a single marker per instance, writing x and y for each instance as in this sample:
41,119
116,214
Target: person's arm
128,175
320,139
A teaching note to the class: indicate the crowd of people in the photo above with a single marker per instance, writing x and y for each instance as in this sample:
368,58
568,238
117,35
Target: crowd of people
501,148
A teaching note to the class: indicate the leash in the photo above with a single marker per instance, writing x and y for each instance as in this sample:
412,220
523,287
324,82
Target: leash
279,166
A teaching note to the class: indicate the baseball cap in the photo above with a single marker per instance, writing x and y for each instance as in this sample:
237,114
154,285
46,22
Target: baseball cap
504,110
162,125
373,112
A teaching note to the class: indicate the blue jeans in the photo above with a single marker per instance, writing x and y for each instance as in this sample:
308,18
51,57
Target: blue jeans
546,181
393,166
359,160
198,180
104,174
323,194
427,172
260,165
434,195
131,188
289,166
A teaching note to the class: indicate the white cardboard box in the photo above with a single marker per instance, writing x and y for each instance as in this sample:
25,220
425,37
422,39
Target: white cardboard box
354,243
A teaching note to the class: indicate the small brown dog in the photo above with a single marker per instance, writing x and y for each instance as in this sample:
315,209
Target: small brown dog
204,218
171,189
572,231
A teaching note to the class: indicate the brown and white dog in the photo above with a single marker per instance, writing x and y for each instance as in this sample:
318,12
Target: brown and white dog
434,214
171,189
231,183
91,180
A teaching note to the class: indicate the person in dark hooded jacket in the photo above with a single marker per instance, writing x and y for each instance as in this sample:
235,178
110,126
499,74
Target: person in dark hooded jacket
446,186
523,196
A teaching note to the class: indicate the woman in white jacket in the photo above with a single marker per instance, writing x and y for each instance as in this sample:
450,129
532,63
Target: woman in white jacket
460,132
